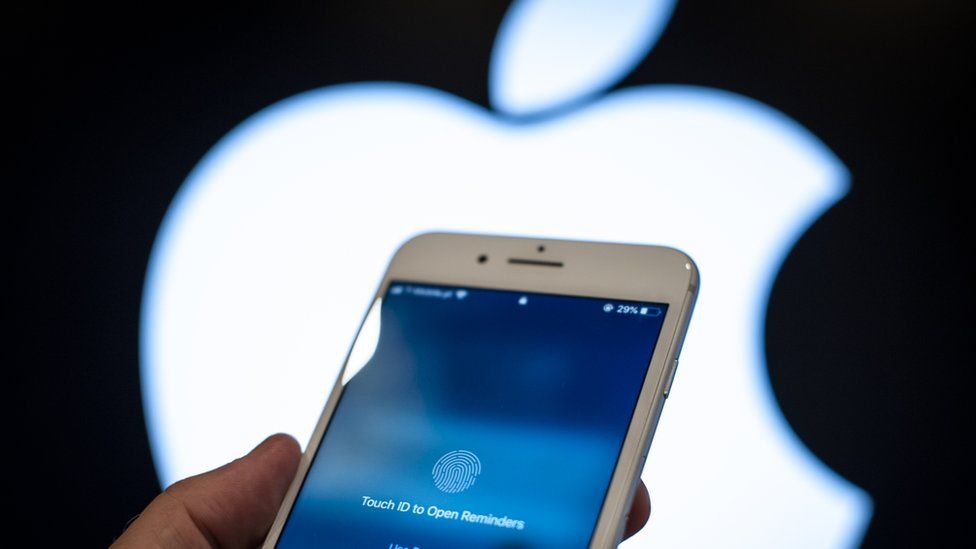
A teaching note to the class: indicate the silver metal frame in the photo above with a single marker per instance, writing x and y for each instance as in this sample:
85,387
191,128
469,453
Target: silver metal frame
612,271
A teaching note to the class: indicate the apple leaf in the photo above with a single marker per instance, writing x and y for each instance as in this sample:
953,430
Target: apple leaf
551,53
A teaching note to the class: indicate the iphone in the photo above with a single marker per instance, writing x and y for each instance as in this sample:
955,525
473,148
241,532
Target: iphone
501,392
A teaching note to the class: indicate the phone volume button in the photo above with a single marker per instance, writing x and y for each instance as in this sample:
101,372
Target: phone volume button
667,385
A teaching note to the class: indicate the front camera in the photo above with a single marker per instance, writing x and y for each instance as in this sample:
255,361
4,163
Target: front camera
482,258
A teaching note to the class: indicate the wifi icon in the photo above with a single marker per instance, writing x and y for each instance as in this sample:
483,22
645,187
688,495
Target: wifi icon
456,471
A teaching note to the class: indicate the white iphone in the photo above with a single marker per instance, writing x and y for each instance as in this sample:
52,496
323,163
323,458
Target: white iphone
501,392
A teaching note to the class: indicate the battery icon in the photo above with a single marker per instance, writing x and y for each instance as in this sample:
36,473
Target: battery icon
650,311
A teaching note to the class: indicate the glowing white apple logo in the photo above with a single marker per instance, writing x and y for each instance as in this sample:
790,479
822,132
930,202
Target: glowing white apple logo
270,253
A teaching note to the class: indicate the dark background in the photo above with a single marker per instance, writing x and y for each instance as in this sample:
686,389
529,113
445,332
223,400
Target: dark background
110,108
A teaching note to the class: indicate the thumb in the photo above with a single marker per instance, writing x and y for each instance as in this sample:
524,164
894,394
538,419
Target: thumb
231,506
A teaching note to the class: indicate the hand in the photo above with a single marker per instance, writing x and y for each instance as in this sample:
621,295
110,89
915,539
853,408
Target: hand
234,505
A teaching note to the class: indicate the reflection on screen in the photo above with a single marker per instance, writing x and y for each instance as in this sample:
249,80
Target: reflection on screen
484,418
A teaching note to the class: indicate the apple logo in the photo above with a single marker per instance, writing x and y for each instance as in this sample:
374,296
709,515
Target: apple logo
270,252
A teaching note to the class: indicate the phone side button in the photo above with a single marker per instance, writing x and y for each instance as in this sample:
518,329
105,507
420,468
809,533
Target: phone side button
667,386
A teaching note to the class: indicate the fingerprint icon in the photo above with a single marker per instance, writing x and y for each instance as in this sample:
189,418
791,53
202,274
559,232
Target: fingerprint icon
456,471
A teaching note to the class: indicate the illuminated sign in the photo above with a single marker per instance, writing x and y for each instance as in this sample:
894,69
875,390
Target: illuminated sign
271,251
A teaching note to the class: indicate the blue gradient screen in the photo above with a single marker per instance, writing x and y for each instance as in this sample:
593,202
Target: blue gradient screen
484,418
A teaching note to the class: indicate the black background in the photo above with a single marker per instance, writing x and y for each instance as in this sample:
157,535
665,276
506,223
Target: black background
111,107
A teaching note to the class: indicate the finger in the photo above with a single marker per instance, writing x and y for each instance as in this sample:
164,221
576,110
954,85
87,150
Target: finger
640,510
232,506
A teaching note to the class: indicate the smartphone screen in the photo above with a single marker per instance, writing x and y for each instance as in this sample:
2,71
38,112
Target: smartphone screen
483,418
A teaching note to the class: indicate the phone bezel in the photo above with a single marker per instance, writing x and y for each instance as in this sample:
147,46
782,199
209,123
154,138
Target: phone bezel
589,269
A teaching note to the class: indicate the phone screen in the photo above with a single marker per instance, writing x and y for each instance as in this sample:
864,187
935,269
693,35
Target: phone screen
483,418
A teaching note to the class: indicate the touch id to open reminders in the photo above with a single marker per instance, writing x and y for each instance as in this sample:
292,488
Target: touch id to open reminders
524,399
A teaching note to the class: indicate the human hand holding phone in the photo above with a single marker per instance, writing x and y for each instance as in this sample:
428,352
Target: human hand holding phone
538,368
234,505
